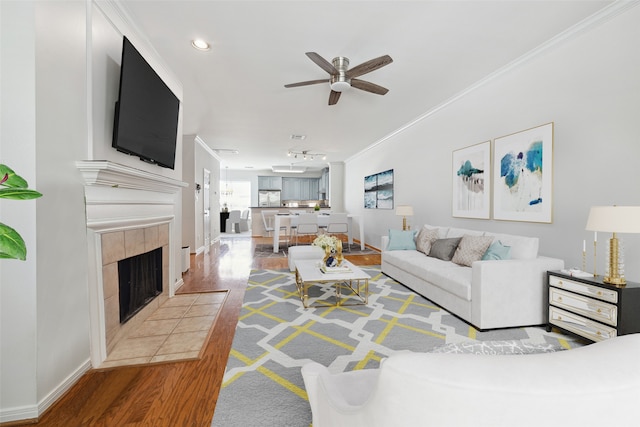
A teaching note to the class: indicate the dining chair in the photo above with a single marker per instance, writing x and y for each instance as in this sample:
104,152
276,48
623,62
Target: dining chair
339,224
244,220
307,224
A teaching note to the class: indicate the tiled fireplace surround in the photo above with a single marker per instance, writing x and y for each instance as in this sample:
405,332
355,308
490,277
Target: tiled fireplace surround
129,212
119,245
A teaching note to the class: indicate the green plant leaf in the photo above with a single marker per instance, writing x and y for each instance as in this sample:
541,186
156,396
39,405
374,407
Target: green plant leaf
19,193
13,180
11,244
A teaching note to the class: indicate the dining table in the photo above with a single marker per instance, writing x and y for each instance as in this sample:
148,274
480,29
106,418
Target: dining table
323,221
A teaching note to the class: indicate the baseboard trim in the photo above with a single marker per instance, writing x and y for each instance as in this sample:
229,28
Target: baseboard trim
20,415
178,285
32,413
63,387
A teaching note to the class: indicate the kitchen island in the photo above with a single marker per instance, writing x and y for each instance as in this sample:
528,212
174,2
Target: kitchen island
257,225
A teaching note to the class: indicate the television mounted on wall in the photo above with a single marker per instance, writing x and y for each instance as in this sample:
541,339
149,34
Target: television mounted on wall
146,115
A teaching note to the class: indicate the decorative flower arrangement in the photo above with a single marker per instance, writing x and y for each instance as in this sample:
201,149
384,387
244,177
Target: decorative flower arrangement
325,241
332,249
14,187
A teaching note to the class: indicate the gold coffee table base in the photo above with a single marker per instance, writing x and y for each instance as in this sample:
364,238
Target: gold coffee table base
356,281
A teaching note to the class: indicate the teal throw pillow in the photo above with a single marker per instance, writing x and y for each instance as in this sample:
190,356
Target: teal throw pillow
400,240
497,251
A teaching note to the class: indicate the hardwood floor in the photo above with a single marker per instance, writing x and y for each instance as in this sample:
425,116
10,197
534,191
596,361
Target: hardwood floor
182,393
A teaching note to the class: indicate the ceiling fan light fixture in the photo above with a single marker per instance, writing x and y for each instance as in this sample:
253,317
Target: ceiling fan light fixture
340,86
341,77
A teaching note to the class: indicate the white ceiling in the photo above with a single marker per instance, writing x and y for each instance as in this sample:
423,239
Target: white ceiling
234,94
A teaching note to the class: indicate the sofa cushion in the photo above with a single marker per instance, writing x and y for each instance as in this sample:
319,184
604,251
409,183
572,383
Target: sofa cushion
401,240
471,249
522,247
454,278
446,275
444,248
425,239
497,251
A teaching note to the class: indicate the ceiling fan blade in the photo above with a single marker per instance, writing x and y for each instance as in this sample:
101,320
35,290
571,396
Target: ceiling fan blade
322,63
369,66
307,83
334,97
369,87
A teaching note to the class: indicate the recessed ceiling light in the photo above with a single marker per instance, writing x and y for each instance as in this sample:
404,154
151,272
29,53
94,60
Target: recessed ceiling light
200,44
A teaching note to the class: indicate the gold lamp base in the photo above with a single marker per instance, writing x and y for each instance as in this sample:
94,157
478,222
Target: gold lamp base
404,223
614,277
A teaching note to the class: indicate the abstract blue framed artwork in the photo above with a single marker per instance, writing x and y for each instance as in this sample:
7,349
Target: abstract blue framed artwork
471,172
378,190
523,175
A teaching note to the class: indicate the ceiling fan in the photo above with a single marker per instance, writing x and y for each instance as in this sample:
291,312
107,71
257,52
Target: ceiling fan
342,78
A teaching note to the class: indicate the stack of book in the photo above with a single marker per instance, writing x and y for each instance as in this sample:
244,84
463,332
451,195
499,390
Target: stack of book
342,269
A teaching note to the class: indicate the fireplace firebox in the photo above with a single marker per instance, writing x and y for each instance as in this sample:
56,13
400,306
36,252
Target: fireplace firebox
140,281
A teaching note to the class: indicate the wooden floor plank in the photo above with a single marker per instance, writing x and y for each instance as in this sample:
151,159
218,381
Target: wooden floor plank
177,393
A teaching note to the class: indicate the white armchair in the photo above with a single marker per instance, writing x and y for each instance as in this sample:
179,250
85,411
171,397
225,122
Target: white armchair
232,224
595,385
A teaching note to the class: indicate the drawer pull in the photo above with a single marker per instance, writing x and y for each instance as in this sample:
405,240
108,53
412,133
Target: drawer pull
599,310
559,282
599,293
560,299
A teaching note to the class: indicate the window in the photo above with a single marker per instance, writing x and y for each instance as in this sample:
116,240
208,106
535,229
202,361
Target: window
236,194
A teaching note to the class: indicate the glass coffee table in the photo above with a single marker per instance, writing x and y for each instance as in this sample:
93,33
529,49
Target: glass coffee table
309,273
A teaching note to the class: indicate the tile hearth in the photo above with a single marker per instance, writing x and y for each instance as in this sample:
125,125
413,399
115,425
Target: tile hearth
175,331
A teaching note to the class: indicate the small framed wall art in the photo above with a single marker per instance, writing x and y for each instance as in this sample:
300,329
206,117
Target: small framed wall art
378,190
523,175
471,173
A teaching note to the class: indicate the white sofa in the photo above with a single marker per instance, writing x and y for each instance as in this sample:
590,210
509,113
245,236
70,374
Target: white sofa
489,294
595,385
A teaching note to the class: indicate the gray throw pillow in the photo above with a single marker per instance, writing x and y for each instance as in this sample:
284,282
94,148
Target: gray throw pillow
444,248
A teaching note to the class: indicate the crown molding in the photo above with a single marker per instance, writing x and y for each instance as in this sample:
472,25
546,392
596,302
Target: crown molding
591,22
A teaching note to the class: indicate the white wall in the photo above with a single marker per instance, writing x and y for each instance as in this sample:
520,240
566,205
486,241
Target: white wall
59,82
18,145
108,26
197,156
337,186
588,86
188,198
61,139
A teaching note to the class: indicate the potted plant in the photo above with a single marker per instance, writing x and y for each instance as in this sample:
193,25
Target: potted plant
14,187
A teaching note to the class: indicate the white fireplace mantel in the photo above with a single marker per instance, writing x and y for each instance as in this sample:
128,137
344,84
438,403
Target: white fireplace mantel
122,198
109,174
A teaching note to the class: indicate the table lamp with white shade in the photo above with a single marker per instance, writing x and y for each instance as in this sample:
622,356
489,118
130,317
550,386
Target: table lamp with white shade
404,211
614,219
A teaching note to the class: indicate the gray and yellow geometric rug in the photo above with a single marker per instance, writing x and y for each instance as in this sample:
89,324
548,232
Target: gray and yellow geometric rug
276,336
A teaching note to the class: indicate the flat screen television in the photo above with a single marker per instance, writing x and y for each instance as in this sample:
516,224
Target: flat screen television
146,115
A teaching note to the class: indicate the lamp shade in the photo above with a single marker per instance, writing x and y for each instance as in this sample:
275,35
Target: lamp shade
614,219
404,210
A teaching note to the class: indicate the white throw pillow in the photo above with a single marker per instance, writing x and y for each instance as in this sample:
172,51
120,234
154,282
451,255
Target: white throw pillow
425,239
470,249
